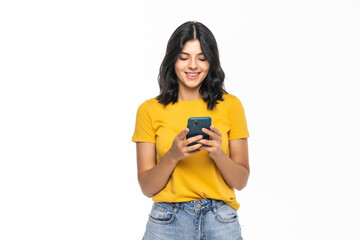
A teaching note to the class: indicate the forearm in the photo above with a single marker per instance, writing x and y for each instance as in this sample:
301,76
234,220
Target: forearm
235,175
155,179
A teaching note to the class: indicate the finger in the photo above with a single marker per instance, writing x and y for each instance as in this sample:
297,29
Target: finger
182,134
208,132
194,147
204,148
215,130
205,142
193,139
193,152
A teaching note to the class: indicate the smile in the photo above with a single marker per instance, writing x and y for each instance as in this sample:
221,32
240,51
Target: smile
192,75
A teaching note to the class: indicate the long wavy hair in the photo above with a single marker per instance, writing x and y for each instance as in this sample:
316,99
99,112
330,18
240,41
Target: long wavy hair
212,88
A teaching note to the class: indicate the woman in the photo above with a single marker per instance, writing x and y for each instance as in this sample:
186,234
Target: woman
192,186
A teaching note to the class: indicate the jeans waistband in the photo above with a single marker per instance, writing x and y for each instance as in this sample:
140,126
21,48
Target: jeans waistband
197,205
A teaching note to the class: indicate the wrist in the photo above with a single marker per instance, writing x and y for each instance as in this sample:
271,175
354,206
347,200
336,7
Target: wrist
169,158
217,156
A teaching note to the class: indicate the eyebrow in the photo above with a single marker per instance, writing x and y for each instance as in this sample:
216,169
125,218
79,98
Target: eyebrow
189,53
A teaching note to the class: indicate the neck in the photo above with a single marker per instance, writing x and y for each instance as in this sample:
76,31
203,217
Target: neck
189,97
189,94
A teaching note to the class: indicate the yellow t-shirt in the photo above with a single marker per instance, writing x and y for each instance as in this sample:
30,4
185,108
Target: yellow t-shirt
195,177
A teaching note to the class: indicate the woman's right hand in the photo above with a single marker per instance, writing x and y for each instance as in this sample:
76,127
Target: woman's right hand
180,149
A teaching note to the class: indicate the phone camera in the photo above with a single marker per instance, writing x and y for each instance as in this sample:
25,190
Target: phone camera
194,123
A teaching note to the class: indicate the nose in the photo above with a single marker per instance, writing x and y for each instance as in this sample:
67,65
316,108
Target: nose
192,64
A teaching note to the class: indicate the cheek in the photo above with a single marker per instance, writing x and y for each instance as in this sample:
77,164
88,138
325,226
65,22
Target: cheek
177,72
178,68
206,70
205,67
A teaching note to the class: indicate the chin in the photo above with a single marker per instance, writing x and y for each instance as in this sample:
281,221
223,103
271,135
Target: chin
193,85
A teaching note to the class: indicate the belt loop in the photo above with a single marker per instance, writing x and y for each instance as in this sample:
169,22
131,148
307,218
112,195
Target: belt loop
213,205
177,206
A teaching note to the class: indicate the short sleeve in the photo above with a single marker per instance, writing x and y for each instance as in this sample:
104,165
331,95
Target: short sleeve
238,124
144,132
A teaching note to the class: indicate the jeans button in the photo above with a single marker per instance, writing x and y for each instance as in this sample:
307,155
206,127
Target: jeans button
198,205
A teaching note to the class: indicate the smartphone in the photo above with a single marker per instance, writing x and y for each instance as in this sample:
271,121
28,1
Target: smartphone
195,124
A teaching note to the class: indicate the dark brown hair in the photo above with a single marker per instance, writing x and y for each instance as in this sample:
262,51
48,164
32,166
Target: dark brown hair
212,88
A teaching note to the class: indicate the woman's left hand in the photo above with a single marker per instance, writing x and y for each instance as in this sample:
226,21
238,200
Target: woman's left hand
214,143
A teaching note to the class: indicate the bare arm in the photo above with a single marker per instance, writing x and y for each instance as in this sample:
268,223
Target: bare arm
235,168
154,177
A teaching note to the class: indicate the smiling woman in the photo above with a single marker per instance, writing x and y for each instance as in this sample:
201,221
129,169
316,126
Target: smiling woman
191,50
191,69
192,181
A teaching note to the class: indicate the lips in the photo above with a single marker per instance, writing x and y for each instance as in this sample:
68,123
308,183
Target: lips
192,75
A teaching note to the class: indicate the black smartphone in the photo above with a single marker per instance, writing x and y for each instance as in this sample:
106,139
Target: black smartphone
195,124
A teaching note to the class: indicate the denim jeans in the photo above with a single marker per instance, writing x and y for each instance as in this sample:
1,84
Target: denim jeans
205,219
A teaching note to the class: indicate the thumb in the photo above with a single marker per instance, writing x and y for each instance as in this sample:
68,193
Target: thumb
182,134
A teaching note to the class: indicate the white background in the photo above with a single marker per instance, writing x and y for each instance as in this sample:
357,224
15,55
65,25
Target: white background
74,72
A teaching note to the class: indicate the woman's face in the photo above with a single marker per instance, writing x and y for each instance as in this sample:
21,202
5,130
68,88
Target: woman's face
191,67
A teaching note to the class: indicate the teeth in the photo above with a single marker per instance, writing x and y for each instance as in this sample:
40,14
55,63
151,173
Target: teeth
192,74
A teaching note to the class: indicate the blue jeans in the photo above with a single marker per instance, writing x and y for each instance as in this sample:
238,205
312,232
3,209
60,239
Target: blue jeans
205,219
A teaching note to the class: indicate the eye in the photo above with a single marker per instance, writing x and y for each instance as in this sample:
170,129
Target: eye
202,59
183,58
